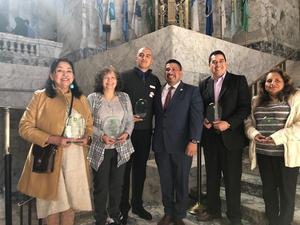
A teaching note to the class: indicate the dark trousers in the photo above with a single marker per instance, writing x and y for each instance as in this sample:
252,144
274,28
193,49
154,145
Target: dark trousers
141,140
220,160
108,182
174,172
279,188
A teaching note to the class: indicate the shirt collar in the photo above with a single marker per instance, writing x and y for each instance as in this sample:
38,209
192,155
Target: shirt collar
221,77
142,74
174,86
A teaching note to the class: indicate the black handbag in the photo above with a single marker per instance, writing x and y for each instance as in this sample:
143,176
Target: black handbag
44,157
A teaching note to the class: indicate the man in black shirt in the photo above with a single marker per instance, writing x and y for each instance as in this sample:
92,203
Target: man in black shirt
139,83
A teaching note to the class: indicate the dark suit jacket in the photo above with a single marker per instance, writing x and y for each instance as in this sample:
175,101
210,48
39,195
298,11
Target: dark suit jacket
180,122
234,100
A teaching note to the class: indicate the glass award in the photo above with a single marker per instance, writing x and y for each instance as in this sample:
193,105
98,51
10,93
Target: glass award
75,126
213,112
111,126
140,108
270,120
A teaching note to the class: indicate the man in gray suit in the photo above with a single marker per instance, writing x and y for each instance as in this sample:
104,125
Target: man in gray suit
178,113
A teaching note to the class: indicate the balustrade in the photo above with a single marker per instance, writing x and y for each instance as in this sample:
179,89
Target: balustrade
26,46
18,46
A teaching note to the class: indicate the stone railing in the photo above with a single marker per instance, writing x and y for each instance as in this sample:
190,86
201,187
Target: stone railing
24,46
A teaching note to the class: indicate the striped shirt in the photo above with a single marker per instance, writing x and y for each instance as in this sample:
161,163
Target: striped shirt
269,119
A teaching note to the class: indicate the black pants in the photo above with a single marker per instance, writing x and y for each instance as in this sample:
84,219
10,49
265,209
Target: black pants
279,188
108,181
174,172
220,160
141,140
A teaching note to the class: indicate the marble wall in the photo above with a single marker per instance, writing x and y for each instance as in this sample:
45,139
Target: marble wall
18,83
278,20
192,49
269,20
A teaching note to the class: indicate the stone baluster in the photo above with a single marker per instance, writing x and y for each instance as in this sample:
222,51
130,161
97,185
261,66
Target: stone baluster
19,50
4,45
33,49
37,49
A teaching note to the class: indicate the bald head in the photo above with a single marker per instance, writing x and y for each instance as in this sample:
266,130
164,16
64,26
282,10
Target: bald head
144,59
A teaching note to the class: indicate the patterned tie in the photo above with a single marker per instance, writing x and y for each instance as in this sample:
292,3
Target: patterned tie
168,97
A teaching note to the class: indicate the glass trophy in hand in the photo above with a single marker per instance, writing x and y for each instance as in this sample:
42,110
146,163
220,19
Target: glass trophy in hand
140,108
213,112
111,126
75,127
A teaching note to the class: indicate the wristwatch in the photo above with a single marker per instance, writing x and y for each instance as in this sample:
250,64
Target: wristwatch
194,141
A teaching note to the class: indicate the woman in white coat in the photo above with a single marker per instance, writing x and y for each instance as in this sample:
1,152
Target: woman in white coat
274,132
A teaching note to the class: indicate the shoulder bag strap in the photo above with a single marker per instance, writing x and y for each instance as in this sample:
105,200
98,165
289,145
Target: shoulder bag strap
69,113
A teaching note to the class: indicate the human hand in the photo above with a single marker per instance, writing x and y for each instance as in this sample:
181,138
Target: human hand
269,140
221,125
123,137
108,140
59,140
260,138
137,118
191,149
80,141
207,124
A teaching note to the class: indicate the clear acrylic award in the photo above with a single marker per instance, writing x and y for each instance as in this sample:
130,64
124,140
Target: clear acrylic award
111,126
213,112
140,108
75,126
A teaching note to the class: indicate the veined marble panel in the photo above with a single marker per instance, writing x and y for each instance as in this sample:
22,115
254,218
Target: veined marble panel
192,49
18,83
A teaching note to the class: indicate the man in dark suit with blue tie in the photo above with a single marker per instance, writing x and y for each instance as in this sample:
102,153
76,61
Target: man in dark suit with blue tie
223,137
178,113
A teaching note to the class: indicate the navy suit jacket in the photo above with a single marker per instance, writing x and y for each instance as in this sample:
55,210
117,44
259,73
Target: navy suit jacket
180,122
234,100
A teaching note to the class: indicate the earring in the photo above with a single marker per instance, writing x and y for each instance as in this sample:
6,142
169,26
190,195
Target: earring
71,86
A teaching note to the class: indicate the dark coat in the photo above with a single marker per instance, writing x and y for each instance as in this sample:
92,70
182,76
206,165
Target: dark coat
180,122
234,100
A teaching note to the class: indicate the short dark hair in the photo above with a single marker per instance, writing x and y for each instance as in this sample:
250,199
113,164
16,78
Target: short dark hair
100,76
49,86
288,89
174,61
216,52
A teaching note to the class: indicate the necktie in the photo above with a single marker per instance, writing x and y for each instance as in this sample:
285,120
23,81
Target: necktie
168,97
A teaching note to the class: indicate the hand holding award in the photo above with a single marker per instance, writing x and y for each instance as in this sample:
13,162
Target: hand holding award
111,127
140,108
213,112
75,128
